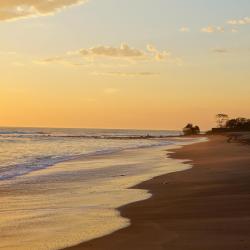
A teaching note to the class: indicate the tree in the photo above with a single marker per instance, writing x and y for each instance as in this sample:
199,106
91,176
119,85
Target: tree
191,130
197,129
232,124
221,120
238,124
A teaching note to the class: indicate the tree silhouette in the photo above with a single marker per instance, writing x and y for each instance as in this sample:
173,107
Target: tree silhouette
238,124
221,120
190,129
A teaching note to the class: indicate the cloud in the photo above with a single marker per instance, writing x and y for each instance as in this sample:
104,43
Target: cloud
221,29
104,54
122,52
61,60
243,21
51,60
184,29
16,9
220,50
158,55
126,74
213,29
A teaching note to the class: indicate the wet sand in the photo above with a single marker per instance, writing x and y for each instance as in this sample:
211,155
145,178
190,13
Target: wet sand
205,208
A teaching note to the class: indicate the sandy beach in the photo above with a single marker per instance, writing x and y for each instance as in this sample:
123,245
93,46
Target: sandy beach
205,208
124,125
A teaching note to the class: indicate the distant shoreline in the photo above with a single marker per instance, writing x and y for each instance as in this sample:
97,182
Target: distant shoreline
206,207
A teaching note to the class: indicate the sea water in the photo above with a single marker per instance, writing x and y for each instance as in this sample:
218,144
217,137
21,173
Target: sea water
60,187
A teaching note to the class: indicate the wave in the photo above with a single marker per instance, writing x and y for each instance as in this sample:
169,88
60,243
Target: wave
16,132
100,137
38,163
86,134
114,137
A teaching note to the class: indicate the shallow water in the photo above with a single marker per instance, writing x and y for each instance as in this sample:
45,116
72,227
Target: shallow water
74,201
23,150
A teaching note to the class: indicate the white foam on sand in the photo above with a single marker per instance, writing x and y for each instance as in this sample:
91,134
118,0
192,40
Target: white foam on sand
76,201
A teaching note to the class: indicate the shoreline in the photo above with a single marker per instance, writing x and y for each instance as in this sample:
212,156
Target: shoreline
205,207
78,200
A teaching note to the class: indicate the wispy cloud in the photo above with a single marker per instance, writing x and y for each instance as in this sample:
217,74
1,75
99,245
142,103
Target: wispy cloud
231,26
243,21
126,74
50,60
16,9
158,55
184,29
213,29
61,60
123,53
220,50
99,53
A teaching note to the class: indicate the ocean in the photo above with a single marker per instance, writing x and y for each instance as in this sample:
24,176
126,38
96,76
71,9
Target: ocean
60,187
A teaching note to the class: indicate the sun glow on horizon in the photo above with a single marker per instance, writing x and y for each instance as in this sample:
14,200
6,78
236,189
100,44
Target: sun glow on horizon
95,64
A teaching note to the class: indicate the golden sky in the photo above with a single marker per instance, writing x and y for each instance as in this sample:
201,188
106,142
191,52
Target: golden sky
123,64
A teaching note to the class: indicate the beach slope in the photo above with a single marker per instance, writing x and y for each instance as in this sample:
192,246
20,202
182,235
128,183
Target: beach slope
207,207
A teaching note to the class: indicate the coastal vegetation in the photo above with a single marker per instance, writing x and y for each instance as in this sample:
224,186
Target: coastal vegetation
221,120
225,124
240,123
190,129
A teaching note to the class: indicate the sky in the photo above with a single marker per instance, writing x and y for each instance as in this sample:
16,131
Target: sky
144,64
